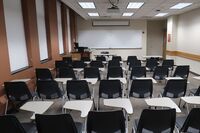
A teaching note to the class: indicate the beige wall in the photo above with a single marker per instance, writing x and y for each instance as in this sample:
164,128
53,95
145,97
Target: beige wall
185,39
155,37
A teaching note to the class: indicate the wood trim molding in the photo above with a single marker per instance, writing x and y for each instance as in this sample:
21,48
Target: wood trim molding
184,55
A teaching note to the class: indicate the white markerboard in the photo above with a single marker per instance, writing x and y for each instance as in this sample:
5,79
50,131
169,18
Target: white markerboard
110,38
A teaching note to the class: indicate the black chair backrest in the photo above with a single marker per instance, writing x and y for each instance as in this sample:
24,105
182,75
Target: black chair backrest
59,64
192,120
78,64
175,88
135,63
151,63
137,72
106,122
114,72
101,58
141,88
85,58
48,89
168,63
67,59
78,89
110,89
113,63
43,74
118,58
91,72
157,121
182,71
17,91
96,63
160,72
131,59
62,123
66,72
10,124
197,93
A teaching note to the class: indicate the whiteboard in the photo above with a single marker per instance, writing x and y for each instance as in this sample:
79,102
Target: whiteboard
110,38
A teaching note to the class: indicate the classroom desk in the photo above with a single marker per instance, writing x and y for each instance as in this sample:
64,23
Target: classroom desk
162,102
173,78
38,107
104,62
87,62
80,105
78,69
124,103
153,80
123,80
196,77
21,80
91,80
62,80
191,100
102,69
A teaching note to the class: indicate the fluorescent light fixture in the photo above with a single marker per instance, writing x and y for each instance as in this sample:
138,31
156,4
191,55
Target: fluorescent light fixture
180,5
127,14
134,5
93,14
87,5
161,14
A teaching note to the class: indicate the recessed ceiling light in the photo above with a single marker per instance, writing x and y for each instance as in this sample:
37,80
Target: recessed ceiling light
87,5
161,14
127,14
93,14
134,5
180,5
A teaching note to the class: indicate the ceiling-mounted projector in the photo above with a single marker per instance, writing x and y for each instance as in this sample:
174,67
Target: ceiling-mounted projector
114,8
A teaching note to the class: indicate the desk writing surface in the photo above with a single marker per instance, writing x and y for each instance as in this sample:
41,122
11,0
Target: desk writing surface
37,107
62,80
80,105
153,80
197,77
21,80
162,102
91,80
124,103
123,80
173,78
191,99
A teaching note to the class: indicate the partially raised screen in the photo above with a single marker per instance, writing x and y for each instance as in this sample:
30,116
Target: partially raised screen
110,38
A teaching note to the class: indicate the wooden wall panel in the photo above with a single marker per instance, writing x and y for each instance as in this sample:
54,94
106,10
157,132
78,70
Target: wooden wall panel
184,55
64,28
73,28
52,28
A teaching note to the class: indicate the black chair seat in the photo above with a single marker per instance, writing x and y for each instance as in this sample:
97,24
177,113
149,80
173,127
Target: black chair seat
29,127
10,124
191,123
